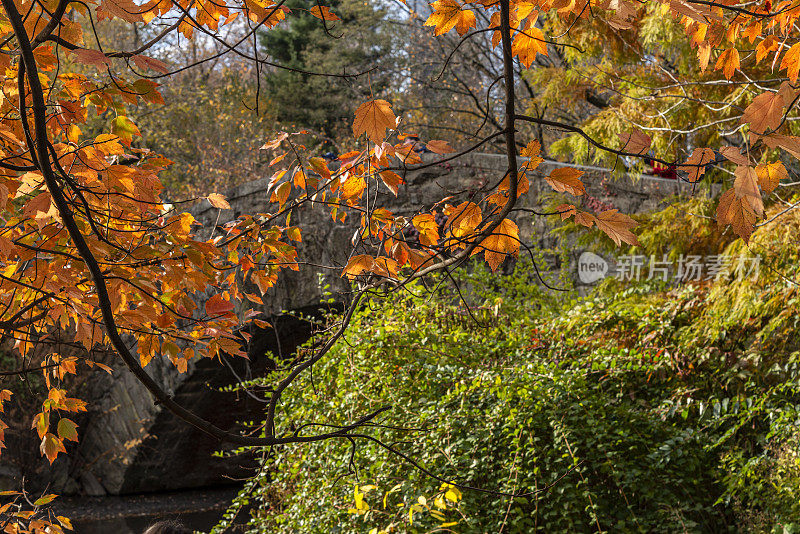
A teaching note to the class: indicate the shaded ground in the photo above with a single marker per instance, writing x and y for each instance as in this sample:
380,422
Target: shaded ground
132,514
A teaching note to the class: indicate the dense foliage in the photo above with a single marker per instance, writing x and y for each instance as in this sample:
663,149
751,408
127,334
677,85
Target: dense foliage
643,408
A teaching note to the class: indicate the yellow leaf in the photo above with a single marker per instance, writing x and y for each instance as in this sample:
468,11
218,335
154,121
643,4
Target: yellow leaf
447,14
218,201
502,243
770,175
374,118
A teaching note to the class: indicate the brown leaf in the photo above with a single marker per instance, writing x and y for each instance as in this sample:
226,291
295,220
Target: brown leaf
565,179
636,141
617,226
746,187
732,210
95,58
439,147
695,166
734,155
146,62
764,112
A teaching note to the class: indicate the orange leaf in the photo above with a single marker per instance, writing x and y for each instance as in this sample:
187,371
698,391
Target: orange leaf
791,62
734,155
357,265
323,13
447,14
392,180
51,446
746,187
425,223
95,58
528,44
566,211
728,61
146,62
565,179
374,118
502,243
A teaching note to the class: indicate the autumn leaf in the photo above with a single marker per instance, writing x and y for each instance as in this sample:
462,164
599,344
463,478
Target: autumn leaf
218,201
374,118
217,305
439,147
746,187
463,219
728,61
531,150
566,211
734,155
145,62
696,165
94,58
734,211
428,229
764,112
447,14
392,180
617,226
770,175
503,242
67,429
566,180
125,129
358,264
791,62
323,13
51,446
635,142
528,44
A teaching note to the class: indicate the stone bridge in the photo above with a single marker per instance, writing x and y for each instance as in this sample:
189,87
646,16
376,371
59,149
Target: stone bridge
130,445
